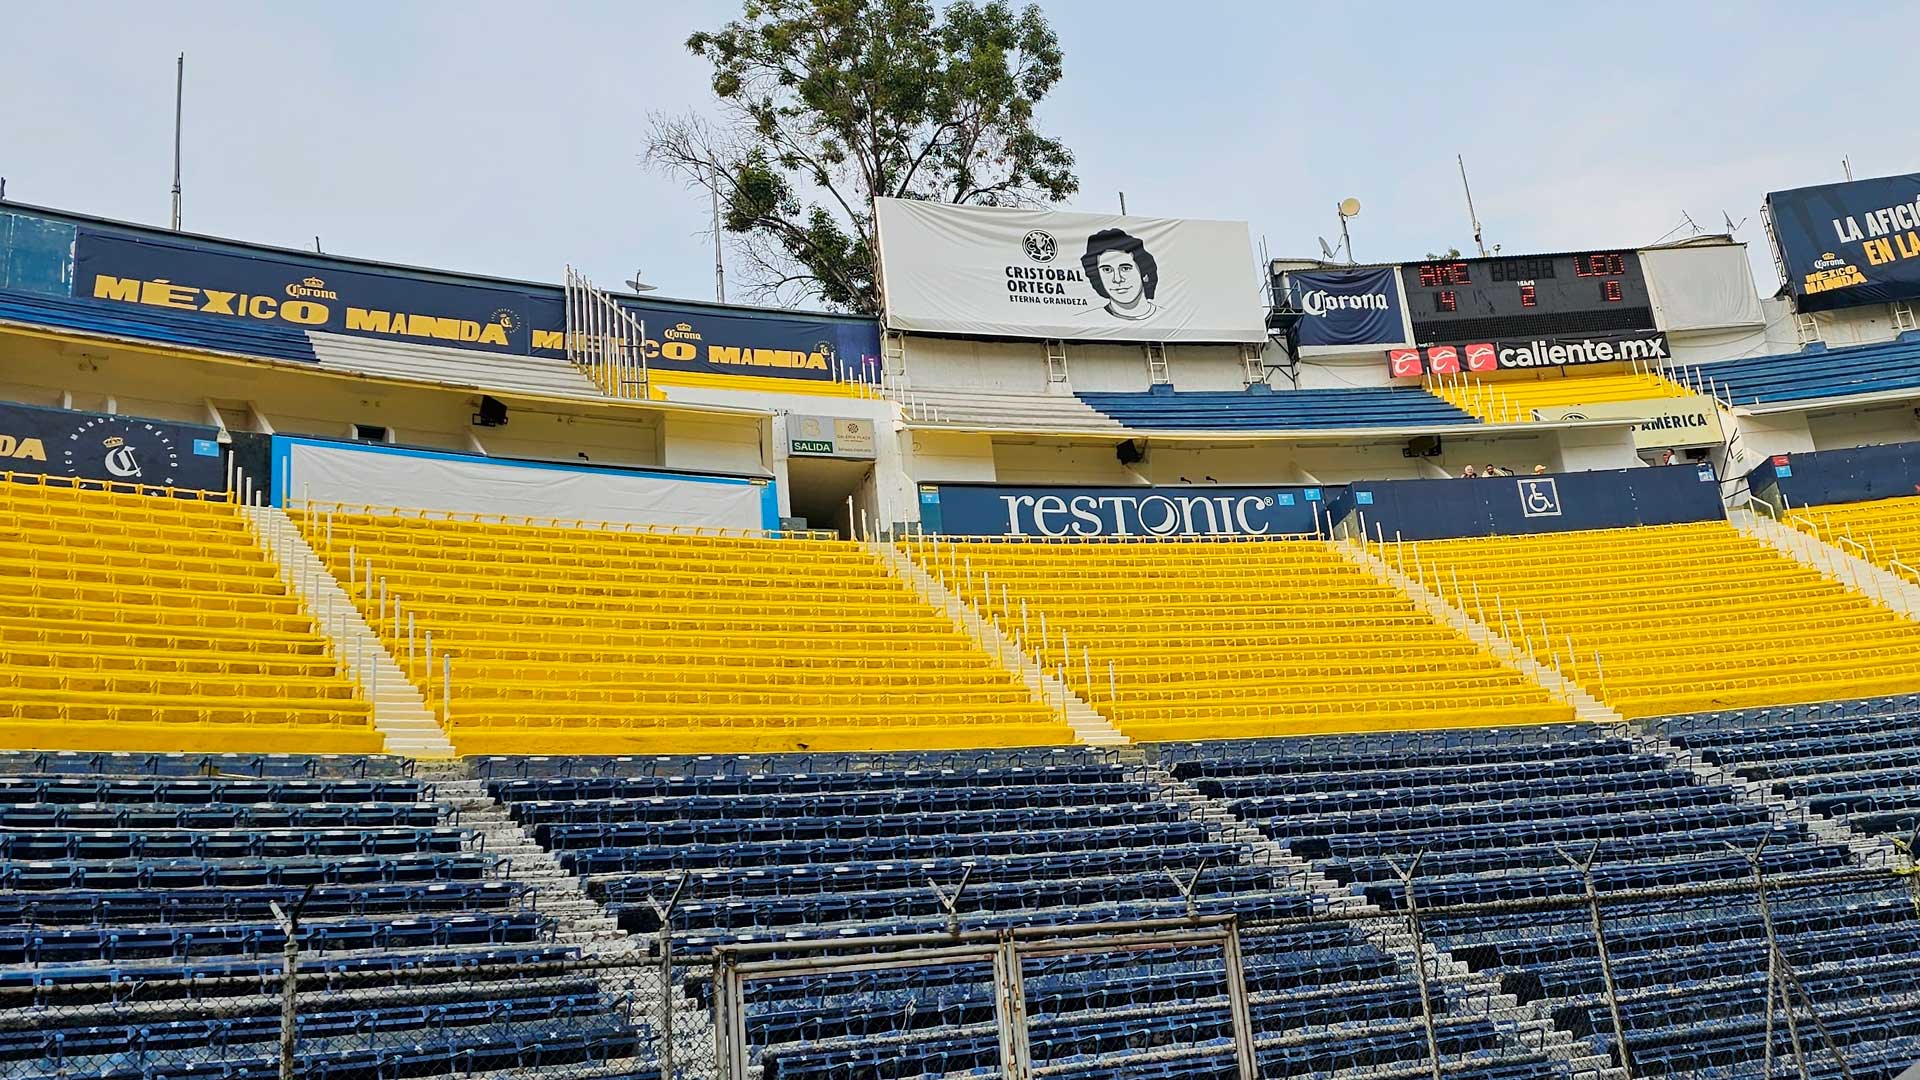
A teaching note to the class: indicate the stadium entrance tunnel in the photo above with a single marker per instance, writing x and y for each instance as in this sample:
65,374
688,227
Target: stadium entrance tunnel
820,488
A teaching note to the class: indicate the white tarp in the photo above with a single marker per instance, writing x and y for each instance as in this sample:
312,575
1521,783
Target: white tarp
999,272
1701,287
421,480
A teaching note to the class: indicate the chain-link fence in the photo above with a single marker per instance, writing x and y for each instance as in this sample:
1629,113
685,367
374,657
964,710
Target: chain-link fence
1812,974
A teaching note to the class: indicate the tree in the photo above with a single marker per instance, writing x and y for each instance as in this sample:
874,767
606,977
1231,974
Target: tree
826,104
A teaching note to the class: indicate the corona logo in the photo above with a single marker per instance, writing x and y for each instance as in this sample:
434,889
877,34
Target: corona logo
113,442
681,332
312,288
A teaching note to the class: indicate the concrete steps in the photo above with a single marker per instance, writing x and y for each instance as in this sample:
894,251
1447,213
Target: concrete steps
1585,706
1088,724
399,712
1833,560
1530,1027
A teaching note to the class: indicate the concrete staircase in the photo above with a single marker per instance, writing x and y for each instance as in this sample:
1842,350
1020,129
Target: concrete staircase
629,972
399,712
1529,1027
1089,726
1585,706
1833,560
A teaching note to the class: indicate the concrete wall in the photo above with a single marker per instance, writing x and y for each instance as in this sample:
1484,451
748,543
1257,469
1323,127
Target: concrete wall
1863,427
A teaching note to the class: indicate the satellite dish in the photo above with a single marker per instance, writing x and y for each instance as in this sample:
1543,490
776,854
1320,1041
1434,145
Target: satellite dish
1349,207
1325,249
639,285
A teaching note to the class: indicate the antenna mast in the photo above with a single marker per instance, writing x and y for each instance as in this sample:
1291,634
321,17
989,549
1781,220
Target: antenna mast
1471,216
179,88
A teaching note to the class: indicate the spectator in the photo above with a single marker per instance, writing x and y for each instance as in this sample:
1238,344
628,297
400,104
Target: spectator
1468,473
1666,457
1539,470
1495,470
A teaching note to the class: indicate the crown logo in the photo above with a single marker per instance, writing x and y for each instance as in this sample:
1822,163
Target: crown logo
113,442
313,283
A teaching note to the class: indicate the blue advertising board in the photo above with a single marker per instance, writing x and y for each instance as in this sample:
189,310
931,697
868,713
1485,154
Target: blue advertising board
1073,512
1504,505
1348,307
1853,474
1851,243
99,446
322,294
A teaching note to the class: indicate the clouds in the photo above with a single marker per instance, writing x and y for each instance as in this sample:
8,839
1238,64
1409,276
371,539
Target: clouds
504,139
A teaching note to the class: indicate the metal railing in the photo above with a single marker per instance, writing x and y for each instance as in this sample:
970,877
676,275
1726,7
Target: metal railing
704,1015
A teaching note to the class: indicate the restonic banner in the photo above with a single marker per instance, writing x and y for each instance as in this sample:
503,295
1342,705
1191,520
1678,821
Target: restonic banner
949,269
1052,512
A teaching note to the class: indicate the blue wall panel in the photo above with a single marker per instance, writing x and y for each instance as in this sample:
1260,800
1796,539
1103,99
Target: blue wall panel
1503,505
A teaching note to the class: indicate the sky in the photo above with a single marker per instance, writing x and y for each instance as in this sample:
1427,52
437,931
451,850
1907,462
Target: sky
505,138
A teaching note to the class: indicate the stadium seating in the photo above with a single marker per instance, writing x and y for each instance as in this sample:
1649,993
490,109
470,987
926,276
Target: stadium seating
1676,618
141,889
1885,532
1512,401
1857,762
1210,639
146,622
589,640
828,846
1491,812
1819,373
1364,407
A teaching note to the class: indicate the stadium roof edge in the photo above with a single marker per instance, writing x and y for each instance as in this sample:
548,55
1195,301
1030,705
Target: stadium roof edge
455,277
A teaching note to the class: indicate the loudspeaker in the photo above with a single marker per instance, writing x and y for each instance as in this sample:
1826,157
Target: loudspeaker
493,412
1422,446
1131,452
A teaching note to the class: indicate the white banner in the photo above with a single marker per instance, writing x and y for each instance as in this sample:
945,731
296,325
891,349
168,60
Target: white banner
1662,422
422,480
949,269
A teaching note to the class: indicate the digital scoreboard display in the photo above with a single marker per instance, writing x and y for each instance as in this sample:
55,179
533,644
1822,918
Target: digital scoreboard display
1527,296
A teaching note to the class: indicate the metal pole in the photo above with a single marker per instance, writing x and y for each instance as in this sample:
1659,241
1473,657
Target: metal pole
1419,957
1113,694
1606,961
289,996
446,690
179,96
1237,1004
1776,961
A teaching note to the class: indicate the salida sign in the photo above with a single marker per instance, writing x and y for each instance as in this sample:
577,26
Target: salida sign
1050,513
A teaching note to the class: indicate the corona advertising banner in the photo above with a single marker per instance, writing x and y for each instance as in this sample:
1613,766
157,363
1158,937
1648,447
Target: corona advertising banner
1001,272
98,446
316,293
1846,244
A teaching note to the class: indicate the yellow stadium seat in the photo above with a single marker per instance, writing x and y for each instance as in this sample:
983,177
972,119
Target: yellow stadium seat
135,620
1175,640
1512,401
573,639
1885,532
1675,618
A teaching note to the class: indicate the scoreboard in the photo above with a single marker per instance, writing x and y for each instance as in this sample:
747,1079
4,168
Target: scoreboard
1528,296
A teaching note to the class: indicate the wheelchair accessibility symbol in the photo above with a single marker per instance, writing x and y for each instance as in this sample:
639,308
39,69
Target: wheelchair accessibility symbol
1539,497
